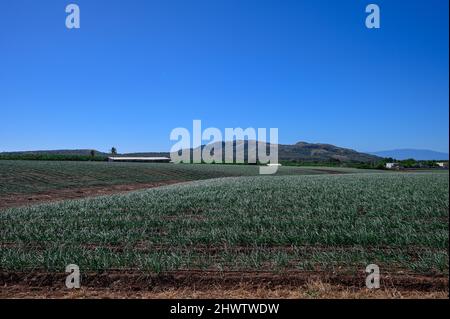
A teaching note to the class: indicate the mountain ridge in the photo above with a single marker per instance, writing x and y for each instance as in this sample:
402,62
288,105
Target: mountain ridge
305,152
300,151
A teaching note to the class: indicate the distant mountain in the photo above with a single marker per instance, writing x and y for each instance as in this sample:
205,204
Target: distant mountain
306,152
402,154
301,151
322,152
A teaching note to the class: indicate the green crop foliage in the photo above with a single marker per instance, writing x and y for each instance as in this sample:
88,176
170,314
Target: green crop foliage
285,222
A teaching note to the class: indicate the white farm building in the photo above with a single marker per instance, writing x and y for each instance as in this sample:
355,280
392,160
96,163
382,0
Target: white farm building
392,165
139,159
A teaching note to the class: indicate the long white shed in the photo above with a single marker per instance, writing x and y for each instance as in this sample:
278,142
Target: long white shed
139,159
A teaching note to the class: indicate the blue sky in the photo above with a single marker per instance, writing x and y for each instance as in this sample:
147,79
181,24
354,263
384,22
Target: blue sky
137,69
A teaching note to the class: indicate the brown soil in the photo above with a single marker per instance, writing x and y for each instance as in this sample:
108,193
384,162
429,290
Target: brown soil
315,290
212,284
14,200
136,280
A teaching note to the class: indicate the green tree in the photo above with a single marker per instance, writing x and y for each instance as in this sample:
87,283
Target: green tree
92,153
113,151
409,163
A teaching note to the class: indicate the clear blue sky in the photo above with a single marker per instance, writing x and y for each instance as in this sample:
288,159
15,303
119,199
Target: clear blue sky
137,69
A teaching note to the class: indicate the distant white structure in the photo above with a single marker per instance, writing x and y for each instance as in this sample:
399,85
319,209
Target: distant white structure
139,159
273,164
392,165
442,164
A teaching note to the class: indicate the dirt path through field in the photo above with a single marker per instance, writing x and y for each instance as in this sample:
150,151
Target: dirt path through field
15,200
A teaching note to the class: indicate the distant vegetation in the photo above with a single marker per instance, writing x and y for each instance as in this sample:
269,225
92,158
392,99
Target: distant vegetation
56,155
69,155
380,164
53,157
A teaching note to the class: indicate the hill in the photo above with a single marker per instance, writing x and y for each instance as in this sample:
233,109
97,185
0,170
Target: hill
303,152
299,152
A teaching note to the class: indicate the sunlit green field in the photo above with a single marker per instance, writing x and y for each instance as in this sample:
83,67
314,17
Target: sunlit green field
275,223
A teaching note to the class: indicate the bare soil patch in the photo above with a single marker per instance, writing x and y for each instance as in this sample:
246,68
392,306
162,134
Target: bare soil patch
312,291
213,284
138,280
15,200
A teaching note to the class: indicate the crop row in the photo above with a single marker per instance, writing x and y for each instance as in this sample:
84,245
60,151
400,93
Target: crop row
393,219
